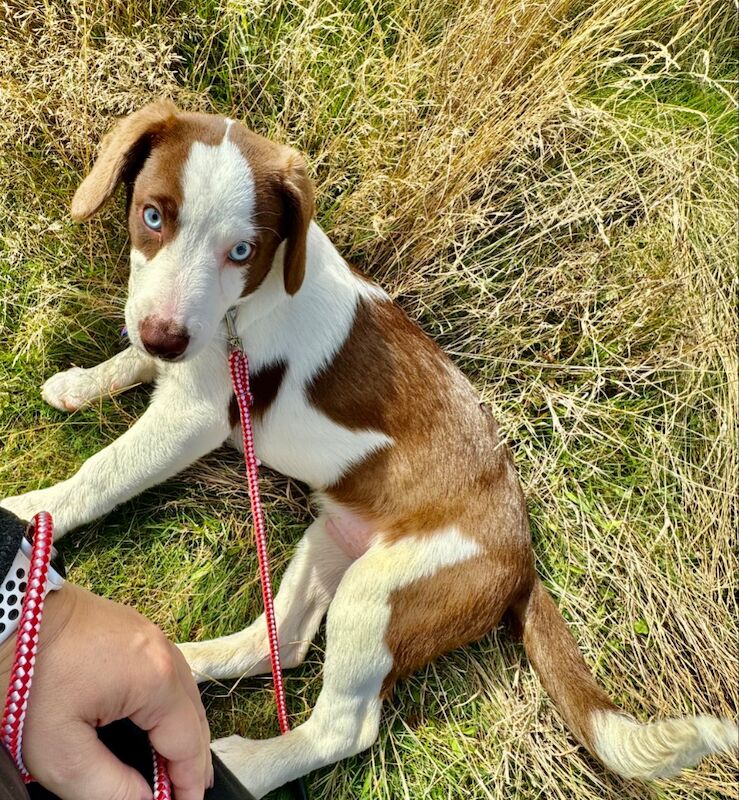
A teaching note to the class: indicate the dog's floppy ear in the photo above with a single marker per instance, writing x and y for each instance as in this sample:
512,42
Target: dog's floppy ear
122,153
298,202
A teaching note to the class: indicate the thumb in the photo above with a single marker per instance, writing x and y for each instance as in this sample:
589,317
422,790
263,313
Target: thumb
82,767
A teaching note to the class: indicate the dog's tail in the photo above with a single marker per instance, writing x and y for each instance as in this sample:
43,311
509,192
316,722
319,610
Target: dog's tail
655,750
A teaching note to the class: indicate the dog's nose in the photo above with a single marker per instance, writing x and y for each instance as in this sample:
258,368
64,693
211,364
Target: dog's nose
163,338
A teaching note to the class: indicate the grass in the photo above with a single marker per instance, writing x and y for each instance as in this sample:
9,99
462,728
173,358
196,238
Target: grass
549,188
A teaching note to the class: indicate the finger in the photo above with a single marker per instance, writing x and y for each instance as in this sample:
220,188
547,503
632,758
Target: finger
188,683
193,693
83,767
175,733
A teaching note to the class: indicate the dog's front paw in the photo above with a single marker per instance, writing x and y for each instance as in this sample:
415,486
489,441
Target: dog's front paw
71,389
26,506
23,507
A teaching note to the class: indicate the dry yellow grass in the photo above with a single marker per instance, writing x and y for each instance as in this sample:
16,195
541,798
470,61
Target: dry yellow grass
550,189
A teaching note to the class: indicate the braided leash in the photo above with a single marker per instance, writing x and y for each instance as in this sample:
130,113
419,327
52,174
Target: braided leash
162,786
24,662
239,366
16,702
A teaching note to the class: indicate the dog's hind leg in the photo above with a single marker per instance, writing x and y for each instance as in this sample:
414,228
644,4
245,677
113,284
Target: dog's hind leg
358,663
77,387
306,590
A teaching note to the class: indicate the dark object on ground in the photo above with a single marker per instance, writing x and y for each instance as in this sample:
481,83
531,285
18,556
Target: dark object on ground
11,533
131,745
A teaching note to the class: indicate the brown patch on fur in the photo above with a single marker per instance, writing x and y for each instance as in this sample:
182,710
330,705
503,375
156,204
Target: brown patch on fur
447,454
265,385
446,467
284,206
159,181
458,605
122,153
383,363
463,602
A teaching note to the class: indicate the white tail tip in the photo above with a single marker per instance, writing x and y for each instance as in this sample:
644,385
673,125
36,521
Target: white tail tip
659,749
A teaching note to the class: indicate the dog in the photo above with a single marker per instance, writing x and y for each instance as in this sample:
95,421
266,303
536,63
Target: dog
422,543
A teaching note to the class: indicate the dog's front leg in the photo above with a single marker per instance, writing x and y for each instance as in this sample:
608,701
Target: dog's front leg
187,418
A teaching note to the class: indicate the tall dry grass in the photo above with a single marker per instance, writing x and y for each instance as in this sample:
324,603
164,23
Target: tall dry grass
550,189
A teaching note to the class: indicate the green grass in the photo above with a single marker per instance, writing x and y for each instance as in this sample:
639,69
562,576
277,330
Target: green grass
550,190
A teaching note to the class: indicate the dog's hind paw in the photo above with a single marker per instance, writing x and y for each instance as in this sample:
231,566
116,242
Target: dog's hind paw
245,760
200,665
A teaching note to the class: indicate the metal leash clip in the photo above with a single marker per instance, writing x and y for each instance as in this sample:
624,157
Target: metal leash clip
233,338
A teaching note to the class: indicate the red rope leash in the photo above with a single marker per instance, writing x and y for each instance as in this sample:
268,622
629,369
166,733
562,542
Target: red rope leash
162,786
24,662
239,366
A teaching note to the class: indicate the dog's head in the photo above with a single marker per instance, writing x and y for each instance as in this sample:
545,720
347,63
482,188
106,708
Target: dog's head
210,204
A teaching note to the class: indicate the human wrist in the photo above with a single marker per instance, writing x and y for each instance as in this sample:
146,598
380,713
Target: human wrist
58,609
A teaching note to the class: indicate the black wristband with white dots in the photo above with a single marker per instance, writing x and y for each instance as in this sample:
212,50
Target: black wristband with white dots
14,545
11,533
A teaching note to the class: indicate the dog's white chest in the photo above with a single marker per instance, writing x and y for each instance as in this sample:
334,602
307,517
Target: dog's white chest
296,439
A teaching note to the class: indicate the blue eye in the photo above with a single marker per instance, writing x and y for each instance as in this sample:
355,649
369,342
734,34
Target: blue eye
152,218
240,252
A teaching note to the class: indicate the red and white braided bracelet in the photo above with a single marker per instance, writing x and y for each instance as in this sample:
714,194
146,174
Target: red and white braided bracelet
26,642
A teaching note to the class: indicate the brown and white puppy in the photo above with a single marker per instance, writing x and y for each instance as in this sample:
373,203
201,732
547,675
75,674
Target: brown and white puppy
423,541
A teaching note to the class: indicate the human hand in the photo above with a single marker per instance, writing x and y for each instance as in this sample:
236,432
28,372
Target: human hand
99,662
